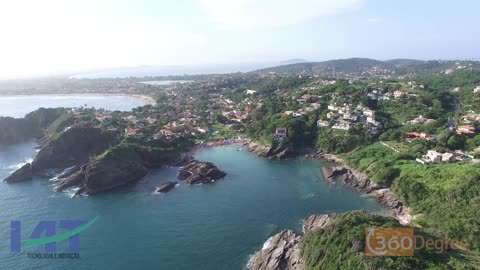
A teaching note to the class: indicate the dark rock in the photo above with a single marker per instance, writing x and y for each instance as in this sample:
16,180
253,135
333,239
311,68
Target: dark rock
20,175
200,172
279,152
166,187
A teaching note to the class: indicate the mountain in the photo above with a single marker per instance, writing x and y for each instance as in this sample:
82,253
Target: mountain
293,61
366,67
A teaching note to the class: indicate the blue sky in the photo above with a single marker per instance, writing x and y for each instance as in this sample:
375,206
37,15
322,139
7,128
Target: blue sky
51,36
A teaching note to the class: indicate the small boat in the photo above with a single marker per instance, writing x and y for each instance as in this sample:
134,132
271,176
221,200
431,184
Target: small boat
164,188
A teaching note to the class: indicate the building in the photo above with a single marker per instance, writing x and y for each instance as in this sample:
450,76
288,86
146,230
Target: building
433,156
322,123
398,94
280,133
476,90
342,125
411,136
133,132
466,129
251,92
369,113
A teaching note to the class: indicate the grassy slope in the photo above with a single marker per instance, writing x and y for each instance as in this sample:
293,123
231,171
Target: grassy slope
340,246
447,195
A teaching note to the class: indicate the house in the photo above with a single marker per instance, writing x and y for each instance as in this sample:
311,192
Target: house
315,106
433,156
342,125
150,120
477,150
448,157
203,129
411,136
332,108
369,113
476,90
133,132
420,120
398,94
322,123
331,115
280,133
251,92
466,129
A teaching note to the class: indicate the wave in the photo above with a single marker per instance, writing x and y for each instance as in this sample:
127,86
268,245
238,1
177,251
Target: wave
17,166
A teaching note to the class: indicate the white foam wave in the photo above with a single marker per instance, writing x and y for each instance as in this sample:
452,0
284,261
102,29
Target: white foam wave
19,165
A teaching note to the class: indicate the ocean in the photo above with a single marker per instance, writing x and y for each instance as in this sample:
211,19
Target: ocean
208,226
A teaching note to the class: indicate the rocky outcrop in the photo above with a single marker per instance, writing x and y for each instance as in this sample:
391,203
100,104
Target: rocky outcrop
164,188
200,172
279,152
282,251
104,174
361,182
119,166
73,146
316,222
21,175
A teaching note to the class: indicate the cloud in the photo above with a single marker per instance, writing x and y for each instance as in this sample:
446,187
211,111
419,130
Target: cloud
245,14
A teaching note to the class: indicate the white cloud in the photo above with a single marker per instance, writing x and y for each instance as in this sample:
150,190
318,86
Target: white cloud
244,14
373,20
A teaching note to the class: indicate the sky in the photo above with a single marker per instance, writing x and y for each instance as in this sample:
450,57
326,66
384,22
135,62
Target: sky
57,36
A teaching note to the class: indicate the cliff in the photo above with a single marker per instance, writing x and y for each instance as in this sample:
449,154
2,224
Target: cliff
72,147
116,167
338,242
283,250
278,152
15,130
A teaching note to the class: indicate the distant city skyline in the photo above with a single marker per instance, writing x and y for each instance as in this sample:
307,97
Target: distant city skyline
60,36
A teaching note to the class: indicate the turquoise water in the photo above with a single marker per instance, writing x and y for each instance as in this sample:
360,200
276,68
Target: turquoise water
215,226
18,106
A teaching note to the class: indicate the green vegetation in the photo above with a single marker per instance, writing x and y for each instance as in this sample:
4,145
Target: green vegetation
447,195
341,244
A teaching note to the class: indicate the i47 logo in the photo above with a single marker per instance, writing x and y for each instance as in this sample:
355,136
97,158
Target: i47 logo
49,228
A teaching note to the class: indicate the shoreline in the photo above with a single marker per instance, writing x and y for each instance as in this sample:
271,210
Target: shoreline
335,168
147,100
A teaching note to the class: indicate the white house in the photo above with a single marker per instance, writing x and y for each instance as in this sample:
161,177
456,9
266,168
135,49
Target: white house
251,92
322,123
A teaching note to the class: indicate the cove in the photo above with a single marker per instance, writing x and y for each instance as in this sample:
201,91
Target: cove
209,226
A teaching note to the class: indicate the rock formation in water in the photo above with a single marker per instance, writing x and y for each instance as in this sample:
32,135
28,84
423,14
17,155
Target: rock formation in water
164,188
69,148
20,175
283,250
279,152
118,166
200,172
362,182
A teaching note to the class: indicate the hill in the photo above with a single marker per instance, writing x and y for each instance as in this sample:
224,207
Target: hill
371,68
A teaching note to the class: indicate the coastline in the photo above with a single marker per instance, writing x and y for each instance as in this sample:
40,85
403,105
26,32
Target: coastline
335,168
147,100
